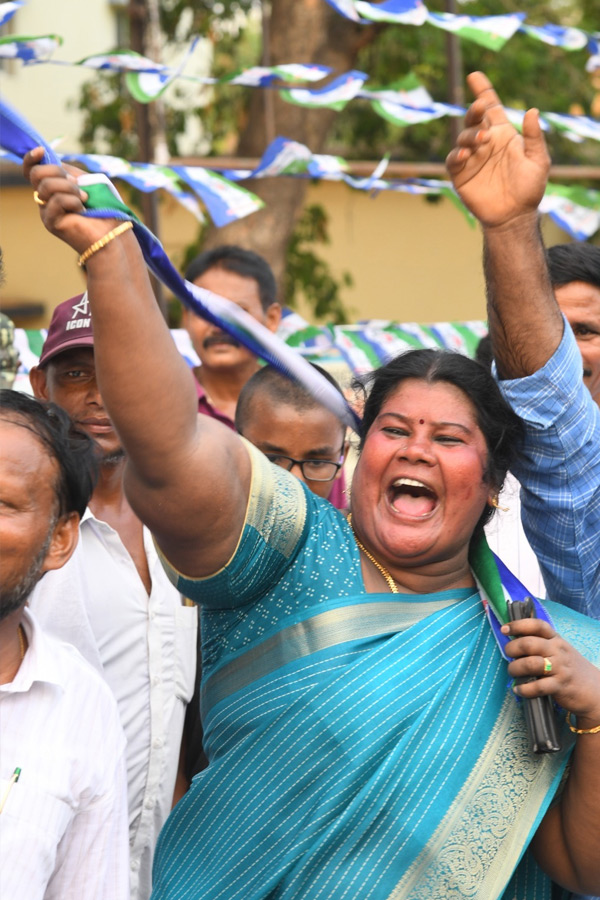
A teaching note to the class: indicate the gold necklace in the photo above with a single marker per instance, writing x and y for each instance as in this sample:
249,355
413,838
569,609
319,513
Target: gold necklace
390,580
21,642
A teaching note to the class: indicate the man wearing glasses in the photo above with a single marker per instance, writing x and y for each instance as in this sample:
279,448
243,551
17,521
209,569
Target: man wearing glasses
293,430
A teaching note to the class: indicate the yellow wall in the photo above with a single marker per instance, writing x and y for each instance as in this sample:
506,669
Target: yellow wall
411,260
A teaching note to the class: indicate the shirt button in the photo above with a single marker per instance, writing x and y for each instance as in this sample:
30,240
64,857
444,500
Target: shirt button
149,803
155,679
135,864
152,616
157,743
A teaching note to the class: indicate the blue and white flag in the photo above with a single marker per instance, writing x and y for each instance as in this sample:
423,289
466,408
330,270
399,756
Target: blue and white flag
576,128
489,31
7,10
263,76
334,96
557,36
224,200
400,12
347,8
29,49
148,86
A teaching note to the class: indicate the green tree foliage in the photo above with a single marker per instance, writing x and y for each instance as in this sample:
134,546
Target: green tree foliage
309,276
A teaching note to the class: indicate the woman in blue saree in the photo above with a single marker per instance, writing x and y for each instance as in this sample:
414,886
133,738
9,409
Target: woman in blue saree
362,735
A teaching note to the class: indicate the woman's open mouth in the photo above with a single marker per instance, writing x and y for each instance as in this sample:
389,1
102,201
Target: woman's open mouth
412,498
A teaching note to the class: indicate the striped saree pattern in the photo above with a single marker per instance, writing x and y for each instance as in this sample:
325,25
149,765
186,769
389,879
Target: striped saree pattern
359,746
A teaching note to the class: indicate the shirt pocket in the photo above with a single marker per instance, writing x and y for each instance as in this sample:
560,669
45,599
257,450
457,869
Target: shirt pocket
186,629
32,824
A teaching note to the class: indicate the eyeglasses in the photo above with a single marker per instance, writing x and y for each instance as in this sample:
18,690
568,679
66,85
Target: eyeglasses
312,469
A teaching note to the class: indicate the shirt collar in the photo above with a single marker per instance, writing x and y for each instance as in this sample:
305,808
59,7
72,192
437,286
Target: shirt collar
40,663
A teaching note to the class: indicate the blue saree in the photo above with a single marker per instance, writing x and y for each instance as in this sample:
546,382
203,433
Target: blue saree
360,745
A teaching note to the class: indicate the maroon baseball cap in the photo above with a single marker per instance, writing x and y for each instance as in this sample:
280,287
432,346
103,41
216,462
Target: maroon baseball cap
71,326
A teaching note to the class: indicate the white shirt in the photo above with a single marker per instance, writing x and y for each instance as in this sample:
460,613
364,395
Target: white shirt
63,828
146,648
507,539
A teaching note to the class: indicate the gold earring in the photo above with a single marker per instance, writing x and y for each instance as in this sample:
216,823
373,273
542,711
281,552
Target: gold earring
496,505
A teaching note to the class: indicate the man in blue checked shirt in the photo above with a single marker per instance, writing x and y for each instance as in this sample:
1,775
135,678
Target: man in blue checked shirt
544,319
501,176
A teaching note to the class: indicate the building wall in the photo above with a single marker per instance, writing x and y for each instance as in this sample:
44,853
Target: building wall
411,260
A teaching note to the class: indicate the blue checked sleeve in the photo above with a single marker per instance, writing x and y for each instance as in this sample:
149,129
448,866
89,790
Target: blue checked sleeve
559,471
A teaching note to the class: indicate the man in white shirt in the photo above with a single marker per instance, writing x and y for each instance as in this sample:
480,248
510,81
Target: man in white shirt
113,600
63,801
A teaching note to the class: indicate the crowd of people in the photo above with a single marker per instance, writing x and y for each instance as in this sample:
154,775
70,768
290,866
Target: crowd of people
207,688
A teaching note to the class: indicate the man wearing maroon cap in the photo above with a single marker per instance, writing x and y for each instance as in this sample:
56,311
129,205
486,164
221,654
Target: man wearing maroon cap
113,600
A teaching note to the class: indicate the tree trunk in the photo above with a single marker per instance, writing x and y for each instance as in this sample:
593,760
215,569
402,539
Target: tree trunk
300,31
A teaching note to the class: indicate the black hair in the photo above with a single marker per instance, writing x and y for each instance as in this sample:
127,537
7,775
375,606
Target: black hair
484,353
243,262
73,450
277,388
574,262
501,427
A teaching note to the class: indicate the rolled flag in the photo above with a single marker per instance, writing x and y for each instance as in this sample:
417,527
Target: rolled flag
17,136
121,61
489,31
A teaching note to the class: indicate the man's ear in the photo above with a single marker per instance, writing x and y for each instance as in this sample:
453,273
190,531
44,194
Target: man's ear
273,316
63,543
37,380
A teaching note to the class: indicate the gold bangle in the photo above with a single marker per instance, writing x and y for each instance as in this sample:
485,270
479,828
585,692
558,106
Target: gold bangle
595,730
98,245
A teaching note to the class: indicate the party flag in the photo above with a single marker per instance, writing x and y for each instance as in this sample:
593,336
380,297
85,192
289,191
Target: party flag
557,36
263,76
334,96
573,208
29,49
148,86
224,200
401,12
7,10
489,31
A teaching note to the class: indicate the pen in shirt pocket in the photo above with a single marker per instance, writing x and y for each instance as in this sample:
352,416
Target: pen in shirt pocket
13,780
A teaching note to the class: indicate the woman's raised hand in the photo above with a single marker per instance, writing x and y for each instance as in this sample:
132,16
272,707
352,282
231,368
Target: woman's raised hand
61,202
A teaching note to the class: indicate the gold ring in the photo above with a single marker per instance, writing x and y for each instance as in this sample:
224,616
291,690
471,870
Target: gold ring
37,199
547,666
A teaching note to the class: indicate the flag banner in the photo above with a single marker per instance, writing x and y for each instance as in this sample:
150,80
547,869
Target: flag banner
347,8
7,11
144,177
29,49
574,127
557,36
491,32
573,208
224,200
402,116
17,135
334,96
593,47
121,61
263,76
148,86
399,12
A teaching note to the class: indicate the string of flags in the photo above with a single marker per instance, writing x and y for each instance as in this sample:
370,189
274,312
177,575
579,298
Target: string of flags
491,32
362,346
575,209
406,102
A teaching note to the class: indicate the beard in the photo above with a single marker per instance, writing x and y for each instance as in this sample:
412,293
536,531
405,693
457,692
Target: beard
113,458
13,598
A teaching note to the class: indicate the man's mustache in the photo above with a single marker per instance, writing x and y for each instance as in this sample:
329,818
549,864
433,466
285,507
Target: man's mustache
222,338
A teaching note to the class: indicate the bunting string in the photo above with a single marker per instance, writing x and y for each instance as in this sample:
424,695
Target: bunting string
18,137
